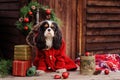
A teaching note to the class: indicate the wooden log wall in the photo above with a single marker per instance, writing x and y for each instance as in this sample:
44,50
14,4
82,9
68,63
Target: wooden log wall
9,34
88,25
102,32
66,10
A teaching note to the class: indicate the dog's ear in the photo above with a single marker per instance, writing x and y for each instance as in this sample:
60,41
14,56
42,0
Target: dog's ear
40,39
57,39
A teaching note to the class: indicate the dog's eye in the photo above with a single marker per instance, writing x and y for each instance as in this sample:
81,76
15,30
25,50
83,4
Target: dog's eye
52,26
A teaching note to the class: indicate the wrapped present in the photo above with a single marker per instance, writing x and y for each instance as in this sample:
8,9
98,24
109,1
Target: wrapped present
20,67
22,52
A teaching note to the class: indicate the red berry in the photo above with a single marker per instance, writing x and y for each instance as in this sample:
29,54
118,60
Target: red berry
87,54
25,27
57,77
30,12
65,75
106,72
26,20
48,11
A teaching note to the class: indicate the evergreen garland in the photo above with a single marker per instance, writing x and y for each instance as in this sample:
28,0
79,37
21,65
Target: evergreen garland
5,67
28,16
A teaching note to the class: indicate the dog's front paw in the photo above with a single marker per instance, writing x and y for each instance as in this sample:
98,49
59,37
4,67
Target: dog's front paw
39,72
61,70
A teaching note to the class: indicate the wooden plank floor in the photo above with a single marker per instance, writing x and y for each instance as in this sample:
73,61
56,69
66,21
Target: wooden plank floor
75,75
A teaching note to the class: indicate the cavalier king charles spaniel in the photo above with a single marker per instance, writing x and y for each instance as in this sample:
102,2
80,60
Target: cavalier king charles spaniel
50,54
49,35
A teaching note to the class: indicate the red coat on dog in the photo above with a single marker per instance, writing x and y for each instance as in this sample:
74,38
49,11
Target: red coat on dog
53,59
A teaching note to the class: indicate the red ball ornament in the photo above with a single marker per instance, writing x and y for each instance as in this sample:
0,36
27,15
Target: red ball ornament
87,53
106,72
26,20
30,12
48,11
65,75
25,27
57,77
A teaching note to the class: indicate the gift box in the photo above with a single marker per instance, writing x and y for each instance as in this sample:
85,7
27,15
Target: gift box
20,67
22,52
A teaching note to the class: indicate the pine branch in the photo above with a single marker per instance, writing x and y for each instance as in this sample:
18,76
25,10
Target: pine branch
5,67
24,11
30,25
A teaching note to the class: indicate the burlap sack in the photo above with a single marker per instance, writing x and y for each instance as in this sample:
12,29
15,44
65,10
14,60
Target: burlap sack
87,65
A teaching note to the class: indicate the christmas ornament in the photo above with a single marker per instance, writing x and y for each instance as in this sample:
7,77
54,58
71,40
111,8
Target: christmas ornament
48,11
87,53
57,77
106,72
65,75
25,27
26,20
30,13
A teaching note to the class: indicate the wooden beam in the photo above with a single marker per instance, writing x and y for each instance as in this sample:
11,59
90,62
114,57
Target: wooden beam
111,51
81,8
103,39
103,10
102,46
102,25
103,32
105,3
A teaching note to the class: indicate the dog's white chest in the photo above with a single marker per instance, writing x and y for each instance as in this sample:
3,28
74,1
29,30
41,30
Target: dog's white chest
49,42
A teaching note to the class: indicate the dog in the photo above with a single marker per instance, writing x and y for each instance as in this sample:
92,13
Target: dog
50,53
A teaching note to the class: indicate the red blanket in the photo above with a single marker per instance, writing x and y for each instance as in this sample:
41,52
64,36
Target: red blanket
108,61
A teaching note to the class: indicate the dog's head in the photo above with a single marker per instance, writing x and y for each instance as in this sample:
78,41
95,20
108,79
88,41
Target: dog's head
48,29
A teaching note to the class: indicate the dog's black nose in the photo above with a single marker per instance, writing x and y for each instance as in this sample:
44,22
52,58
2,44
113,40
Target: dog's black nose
49,29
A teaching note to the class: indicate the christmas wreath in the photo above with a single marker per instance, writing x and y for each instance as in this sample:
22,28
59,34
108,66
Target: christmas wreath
28,16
